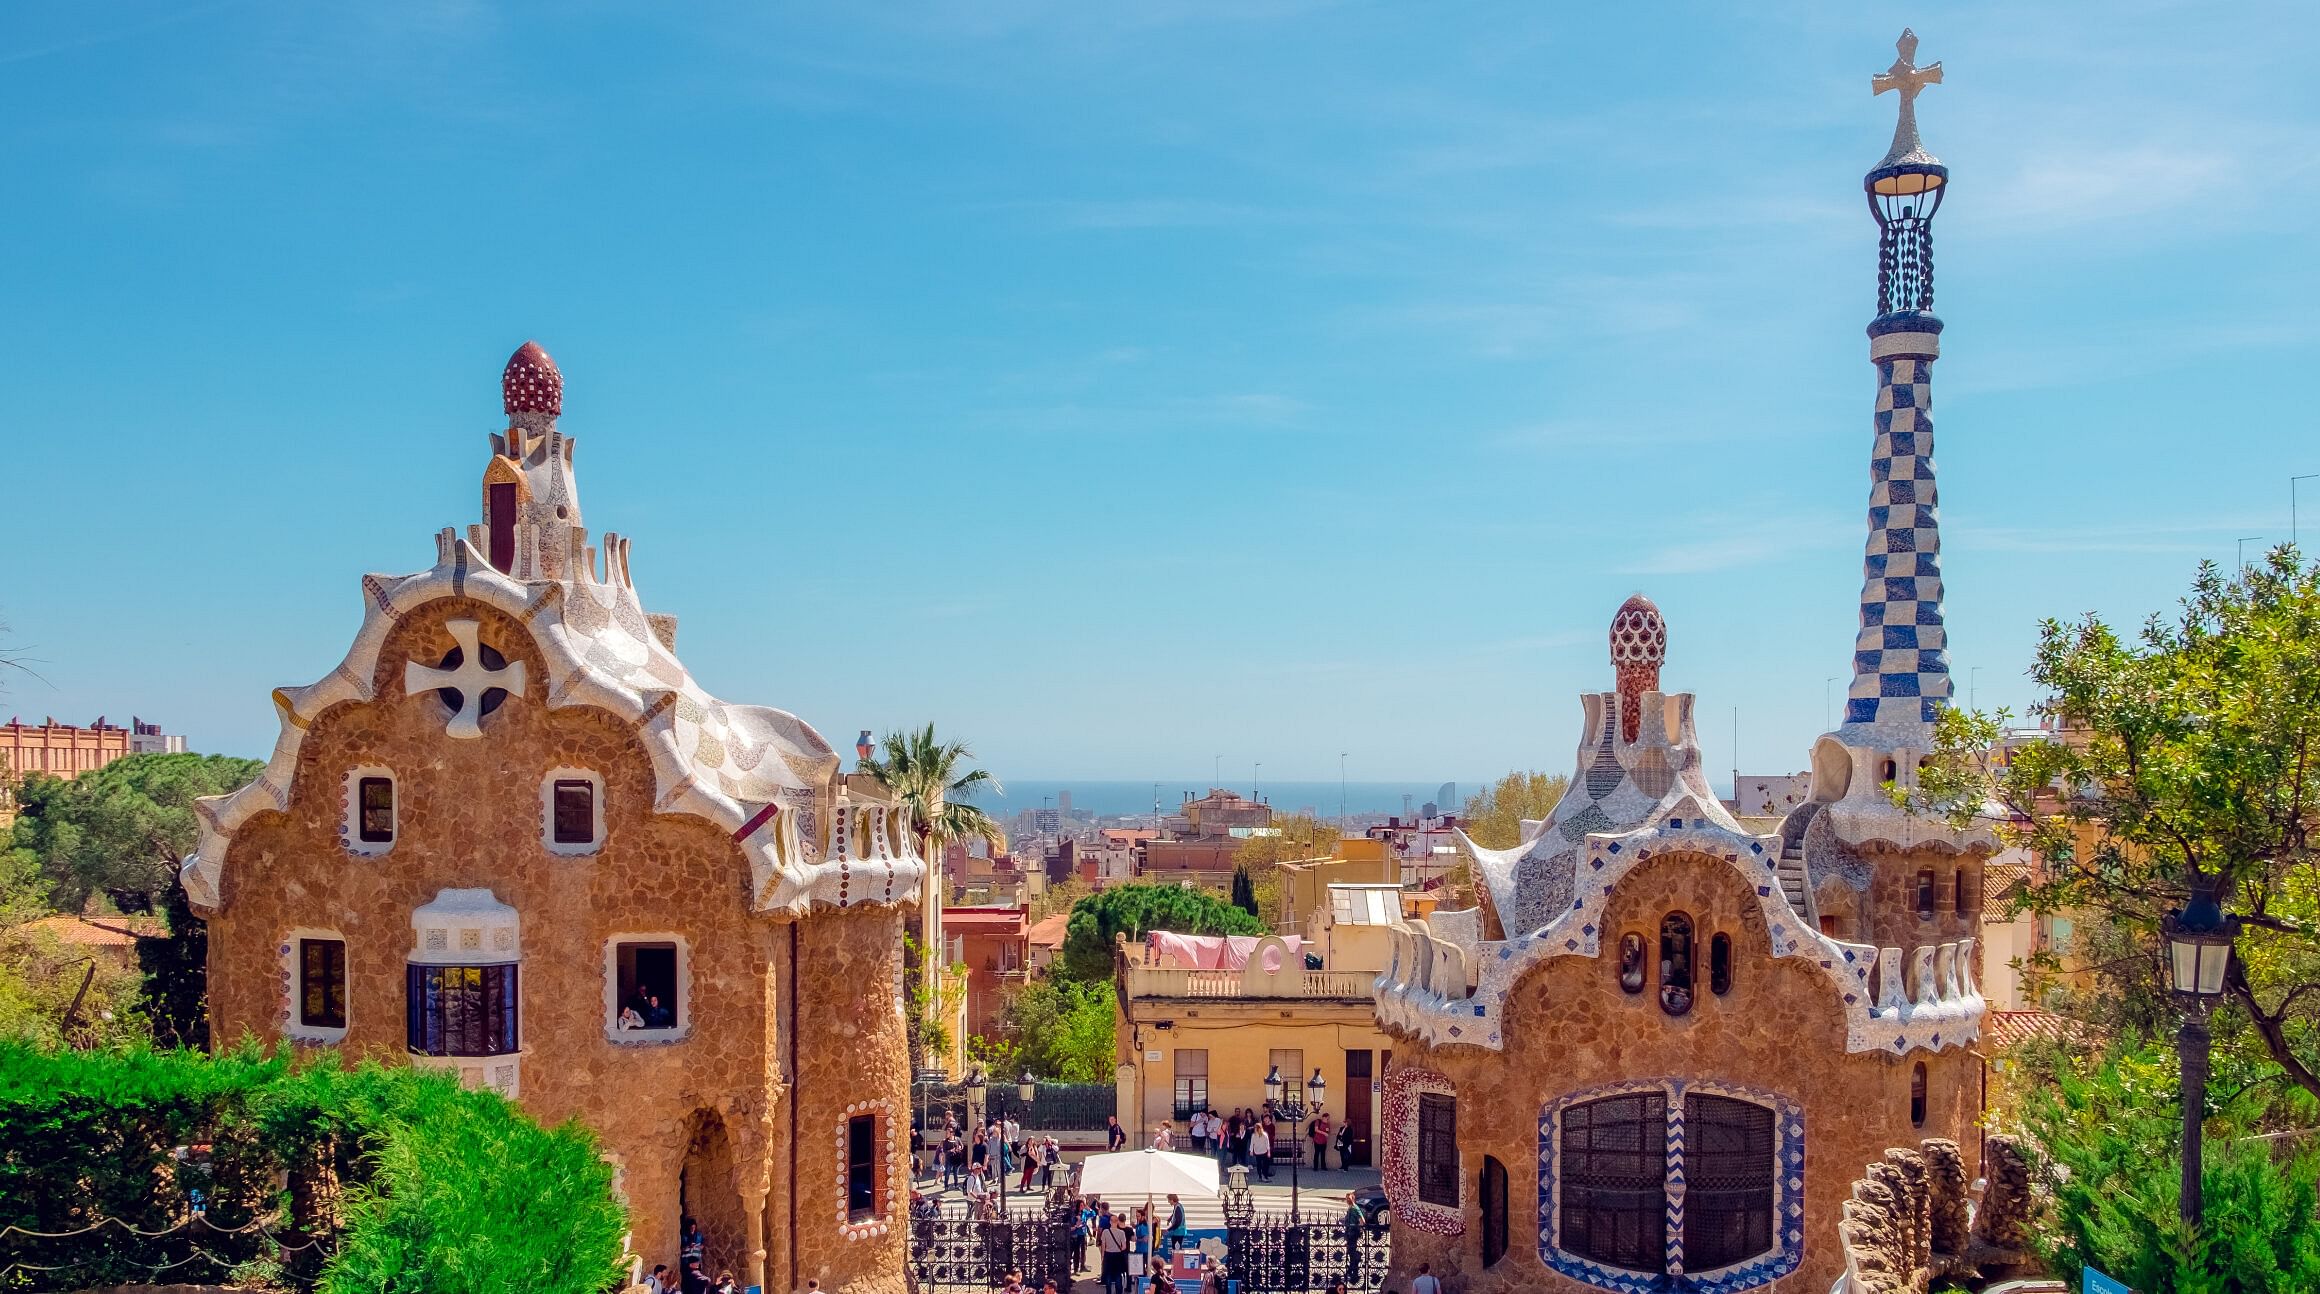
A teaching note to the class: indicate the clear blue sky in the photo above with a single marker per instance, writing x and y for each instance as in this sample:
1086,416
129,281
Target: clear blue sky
1120,385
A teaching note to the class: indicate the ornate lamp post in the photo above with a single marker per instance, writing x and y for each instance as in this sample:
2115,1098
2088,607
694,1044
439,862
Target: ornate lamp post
2199,939
976,1087
1288,1104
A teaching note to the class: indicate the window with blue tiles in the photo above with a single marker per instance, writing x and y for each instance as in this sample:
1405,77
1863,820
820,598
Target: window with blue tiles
1608,1157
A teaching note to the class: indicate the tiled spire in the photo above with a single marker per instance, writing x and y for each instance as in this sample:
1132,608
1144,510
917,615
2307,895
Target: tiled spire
1901,657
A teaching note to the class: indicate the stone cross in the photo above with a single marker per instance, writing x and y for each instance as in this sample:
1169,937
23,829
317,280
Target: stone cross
1908,78
471,680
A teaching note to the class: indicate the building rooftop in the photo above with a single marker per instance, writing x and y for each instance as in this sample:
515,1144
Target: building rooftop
1048,932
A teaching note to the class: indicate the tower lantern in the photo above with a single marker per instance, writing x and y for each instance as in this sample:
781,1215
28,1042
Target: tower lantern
1905,190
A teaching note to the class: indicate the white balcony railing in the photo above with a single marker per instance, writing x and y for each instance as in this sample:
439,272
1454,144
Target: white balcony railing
1144,981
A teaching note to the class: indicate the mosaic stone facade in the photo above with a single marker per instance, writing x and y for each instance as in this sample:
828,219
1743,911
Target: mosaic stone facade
724,835
1815,988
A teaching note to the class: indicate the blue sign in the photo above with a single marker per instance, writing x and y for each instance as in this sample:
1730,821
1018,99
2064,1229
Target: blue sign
2097,1283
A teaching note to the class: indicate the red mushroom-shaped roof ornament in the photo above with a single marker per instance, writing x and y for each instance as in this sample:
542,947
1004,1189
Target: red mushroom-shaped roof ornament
531,383
1638,647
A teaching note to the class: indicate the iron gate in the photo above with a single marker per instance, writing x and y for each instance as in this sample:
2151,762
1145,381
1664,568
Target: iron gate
1272,1255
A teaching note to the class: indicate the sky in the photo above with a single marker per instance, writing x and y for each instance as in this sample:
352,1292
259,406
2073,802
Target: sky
1137,389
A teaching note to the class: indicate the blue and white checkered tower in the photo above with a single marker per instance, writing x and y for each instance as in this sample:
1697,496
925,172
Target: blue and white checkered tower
1901,658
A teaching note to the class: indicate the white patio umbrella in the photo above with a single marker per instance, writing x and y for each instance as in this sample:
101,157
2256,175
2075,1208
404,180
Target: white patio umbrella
1129,1173
1125,1174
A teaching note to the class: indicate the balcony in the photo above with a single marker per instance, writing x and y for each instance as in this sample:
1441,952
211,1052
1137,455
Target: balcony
1252,984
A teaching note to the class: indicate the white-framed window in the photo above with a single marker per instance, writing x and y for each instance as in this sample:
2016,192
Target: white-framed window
648,988
314,973
372,815
572,811
463,989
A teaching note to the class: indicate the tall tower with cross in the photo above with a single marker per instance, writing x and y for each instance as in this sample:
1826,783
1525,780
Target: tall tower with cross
1901,674
1901,656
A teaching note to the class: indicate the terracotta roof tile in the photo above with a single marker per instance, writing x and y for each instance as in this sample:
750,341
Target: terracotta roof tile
2010,1029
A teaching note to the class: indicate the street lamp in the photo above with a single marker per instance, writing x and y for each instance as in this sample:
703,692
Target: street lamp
2199,939
1288,1105
975,1086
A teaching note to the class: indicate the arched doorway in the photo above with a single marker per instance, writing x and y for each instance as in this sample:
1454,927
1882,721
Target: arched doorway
706,1195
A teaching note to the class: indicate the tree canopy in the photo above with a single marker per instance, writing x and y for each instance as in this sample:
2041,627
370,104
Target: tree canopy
1134,911
124,827
1058,1029
1494,815
2180,756
933,781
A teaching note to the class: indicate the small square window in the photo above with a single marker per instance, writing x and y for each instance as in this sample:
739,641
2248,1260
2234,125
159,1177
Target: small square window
647,992
375,816
322,983
575,812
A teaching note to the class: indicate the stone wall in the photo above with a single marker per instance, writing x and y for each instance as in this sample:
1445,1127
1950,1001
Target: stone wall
1569,1028
699,1114
1906,1226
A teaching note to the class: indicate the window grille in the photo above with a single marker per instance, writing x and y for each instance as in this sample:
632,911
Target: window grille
1728,1173
1614,1187
1191,1081
1438,1149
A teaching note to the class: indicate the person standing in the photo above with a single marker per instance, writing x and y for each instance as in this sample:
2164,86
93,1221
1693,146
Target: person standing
1014,1137
1112,1245
978,1191
1352,1224
1115,1136
1425,1282
1176,1229
1261,1152
1320,1140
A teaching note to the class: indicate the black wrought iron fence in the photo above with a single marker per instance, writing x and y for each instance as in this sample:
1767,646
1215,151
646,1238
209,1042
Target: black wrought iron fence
952,1252
1272,1255
1054,1107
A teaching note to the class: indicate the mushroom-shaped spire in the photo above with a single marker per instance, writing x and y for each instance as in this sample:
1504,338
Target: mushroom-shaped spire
1638,646
531,383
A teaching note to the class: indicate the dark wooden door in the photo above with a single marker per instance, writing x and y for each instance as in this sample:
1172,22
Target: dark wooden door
1357,1106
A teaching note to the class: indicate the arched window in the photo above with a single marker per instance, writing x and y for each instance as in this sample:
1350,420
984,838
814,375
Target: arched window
1631,962
1889,771
1614,1181
1917,1095
1728,1176
1925,895
1493,1211
1609,1174
1720,964
1675,963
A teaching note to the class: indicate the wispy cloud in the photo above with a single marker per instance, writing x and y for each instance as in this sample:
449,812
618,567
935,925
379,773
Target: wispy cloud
1239,410
2209,536
1147,213
1729,543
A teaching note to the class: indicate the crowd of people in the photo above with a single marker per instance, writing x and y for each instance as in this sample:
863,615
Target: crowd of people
1251,1138
980,1160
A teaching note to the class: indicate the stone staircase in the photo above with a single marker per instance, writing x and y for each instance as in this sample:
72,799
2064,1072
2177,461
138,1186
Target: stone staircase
1795,883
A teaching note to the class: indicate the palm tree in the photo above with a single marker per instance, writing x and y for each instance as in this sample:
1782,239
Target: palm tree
930,779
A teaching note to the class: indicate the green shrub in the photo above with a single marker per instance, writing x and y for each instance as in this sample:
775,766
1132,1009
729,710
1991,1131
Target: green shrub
2109,1145
408,1181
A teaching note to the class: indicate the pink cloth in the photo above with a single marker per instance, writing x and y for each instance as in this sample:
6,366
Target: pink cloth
1216,952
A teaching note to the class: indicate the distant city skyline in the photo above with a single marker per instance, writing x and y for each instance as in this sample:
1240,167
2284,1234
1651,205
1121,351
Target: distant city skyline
1115,388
